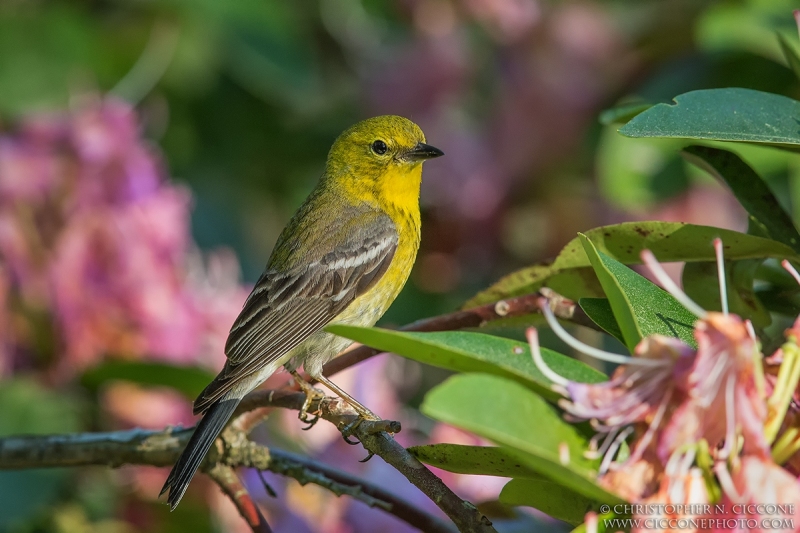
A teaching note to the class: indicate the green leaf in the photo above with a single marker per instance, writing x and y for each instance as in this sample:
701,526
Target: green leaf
640,307
599,310
188,380
612,286
751,191
732,114
465,351
701,283
790,53
570,274
550,498
512,416
476,460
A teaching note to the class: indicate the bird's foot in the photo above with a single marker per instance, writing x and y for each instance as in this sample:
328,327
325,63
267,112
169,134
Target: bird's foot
368,426
312,395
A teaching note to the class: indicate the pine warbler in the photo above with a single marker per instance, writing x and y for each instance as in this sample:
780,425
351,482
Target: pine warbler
344,257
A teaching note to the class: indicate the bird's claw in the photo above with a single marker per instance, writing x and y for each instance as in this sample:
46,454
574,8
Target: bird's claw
367,458
310,420
349,429
312,395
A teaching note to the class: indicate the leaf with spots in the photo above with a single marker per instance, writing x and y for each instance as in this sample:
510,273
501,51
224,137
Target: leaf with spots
477,460
571,275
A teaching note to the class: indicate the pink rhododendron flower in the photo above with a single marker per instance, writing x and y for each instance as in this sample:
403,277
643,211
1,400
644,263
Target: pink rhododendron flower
93,235
722,399
701,429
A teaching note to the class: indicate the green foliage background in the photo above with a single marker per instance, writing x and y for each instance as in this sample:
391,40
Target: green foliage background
245,97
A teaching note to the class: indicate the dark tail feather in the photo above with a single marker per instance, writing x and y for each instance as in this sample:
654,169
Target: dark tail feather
203,437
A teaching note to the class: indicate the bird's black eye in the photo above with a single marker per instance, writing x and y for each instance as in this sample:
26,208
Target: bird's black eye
379,147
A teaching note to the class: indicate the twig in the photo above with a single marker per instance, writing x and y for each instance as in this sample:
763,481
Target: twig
229,482
563,308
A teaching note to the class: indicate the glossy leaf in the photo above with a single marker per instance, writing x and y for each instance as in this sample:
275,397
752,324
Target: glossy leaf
187,380
599,310
514,417
730,114
640,307
550,498
571,275
751,191
478,460
465,351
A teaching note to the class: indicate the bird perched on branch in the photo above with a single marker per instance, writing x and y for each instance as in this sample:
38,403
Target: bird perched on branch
344,257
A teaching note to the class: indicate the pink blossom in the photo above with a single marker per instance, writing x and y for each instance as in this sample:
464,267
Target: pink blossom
682,497
93,235
722,398
758,480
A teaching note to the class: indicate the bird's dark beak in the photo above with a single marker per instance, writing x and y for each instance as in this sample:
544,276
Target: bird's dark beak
421,152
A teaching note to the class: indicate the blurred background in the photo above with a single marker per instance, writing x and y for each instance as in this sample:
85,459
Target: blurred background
151,152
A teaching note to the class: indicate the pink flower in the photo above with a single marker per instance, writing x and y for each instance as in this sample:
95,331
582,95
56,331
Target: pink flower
638,394
722,399
681,498
760,496
93,235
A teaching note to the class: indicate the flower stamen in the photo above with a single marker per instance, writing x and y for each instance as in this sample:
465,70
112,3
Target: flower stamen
791,270
614,448
730,416
559,382
723,291
663,278
591,350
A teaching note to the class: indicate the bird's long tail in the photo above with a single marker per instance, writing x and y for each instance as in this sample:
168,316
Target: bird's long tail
203,437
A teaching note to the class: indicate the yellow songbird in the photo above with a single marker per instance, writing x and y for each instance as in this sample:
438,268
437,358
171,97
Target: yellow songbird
344,257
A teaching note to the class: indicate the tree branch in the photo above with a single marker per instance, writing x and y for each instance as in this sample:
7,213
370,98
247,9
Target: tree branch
229,482
234,449
377,441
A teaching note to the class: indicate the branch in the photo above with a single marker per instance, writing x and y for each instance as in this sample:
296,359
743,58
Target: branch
378,442
161,448
229,482
563,308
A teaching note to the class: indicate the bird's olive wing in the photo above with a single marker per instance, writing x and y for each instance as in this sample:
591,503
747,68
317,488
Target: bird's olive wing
287,307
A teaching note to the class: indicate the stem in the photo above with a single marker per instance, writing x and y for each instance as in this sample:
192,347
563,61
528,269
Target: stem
229,482
778,402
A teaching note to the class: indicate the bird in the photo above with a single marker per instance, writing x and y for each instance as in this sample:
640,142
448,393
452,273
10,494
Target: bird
343,257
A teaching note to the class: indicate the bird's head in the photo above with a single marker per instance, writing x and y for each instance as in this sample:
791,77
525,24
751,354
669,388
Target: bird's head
381,157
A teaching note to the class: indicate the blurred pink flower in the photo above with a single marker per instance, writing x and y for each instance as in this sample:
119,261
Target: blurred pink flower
723,402
92,233
675,496
757,480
